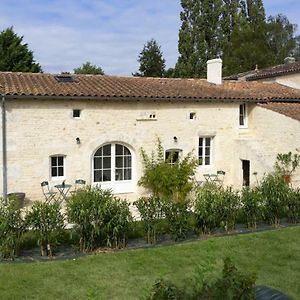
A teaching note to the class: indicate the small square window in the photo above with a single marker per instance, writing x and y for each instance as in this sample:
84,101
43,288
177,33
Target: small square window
192,116
57,166
76,113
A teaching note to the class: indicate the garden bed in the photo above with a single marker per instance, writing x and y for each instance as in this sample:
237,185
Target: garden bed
70,252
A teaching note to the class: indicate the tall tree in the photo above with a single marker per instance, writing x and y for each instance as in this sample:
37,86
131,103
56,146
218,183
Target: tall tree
152,63
88,68
14,54
200,36
280,37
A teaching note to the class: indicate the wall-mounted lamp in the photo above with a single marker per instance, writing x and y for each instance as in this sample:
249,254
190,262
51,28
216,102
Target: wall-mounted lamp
77,140
175,139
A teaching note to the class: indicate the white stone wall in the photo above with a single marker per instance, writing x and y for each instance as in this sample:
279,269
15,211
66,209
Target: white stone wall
37,129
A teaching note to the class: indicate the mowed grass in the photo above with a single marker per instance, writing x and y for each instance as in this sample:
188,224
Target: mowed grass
274,256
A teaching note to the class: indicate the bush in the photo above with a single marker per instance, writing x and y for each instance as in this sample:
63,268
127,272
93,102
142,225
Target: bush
205,205
12,228
274,193
227,208
46,220
293,205
150,210
251,206
166,179
232,285
100,218
177,215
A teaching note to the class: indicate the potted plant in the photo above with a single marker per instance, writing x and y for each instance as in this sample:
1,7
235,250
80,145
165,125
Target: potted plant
286,164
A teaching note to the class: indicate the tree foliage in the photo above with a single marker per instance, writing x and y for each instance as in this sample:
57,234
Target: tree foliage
15,55
88,68
237,31
152,63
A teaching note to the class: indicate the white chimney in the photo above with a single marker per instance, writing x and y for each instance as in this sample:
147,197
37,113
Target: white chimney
214,71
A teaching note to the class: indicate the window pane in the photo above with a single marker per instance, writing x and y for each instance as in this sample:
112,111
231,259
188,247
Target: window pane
106,175
107,150
119,174
99,152
242,121
60,171
200,142
97,176
119,162
207,141
207,151
97,163
106,163
53,161
127,161
54,172
126,151
60,160
127,174
119,149
207,161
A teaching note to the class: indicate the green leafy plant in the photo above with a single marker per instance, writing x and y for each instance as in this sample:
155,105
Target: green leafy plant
46,220
167,180
274,193
228,207
205,204
172,183
286,163
177,215
100,218
293,205
251,206
232,285
12,228
150,209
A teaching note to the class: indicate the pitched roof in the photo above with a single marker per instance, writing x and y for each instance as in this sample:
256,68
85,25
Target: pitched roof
139,88
291,110
278,70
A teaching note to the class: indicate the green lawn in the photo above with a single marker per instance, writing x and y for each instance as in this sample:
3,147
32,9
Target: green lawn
274,256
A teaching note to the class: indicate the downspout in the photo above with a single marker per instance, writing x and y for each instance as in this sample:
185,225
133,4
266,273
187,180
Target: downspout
4,150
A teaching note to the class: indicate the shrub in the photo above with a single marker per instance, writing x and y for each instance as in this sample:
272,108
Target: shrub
177,215
227,208
251,206
232,285
205,205
274,193
293,205
165,179
46,220
12,228
150,209
164,290
100,218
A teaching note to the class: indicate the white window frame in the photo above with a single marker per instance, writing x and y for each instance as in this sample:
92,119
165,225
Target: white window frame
57,166
117,186
243,113
204,146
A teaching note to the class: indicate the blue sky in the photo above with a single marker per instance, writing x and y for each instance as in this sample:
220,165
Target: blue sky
109,33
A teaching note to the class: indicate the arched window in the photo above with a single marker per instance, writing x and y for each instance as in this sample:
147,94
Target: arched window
112,163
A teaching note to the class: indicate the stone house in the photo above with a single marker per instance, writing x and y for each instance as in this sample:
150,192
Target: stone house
65,127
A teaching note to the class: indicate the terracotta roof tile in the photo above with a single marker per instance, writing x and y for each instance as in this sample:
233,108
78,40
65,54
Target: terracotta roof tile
140,88
291,110
278,70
